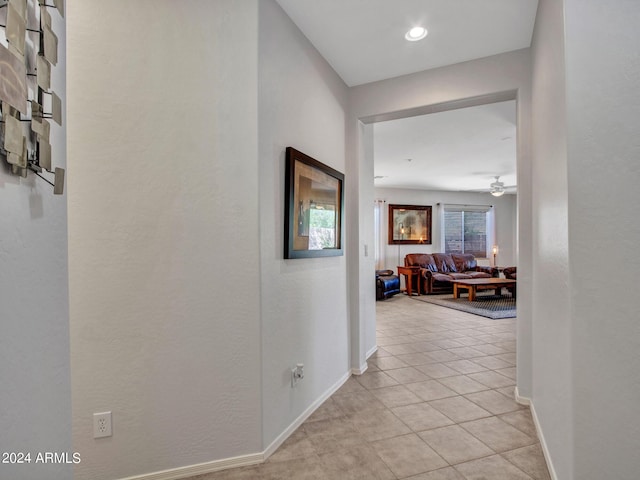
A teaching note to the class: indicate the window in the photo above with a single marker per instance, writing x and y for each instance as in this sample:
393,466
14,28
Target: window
467,229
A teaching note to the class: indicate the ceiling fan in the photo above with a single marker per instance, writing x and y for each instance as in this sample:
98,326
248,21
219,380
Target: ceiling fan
497,187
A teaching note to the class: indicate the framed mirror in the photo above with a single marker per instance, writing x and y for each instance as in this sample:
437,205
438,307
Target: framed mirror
409,224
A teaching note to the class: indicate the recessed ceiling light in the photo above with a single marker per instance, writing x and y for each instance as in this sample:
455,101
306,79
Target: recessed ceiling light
416,33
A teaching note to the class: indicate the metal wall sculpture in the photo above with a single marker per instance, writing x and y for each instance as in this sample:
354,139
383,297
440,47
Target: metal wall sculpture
27,55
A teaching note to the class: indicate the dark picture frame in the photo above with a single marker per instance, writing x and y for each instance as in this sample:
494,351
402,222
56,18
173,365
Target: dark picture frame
314,208
410,225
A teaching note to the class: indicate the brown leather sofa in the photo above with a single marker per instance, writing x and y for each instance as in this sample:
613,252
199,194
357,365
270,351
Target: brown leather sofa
437,270
511,273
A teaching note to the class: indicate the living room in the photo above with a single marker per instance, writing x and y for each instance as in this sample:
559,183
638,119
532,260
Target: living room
448,161
450,164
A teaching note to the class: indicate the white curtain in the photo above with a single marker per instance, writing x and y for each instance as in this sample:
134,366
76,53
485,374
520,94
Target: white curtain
379,224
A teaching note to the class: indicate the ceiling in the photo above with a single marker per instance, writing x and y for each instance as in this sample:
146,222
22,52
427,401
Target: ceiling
459,150
363,40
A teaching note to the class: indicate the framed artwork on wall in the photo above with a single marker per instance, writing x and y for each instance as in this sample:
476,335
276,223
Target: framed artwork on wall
314,207
409,224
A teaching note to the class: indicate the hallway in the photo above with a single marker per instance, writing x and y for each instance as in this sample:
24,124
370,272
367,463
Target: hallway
435,404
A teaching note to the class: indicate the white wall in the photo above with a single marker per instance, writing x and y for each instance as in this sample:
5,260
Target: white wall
552,393
302,103
505,217
163,232
35,396
603,121
496,78
586,362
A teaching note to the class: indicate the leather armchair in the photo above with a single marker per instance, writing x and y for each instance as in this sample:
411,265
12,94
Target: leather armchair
387,284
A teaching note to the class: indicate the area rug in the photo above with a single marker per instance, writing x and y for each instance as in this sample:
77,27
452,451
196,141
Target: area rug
485,304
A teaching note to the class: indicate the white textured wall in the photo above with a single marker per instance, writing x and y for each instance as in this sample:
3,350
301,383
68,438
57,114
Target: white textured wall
163,232
35,390
552,389
366,279
504,216
415,94
603,122
302,104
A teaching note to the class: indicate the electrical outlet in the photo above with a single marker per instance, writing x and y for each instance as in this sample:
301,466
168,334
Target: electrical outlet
102,425
297,374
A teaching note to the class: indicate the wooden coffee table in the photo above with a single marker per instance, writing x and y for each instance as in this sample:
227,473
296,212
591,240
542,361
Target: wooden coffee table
475,284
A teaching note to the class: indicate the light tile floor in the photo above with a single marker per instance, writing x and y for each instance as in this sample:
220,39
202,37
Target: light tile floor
435,404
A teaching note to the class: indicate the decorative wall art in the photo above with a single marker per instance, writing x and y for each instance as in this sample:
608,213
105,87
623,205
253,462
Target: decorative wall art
28,51
313,208
409,224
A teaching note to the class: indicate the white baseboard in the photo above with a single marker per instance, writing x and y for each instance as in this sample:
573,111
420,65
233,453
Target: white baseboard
520,399
361,370
543,443
201,468
306,414
244,460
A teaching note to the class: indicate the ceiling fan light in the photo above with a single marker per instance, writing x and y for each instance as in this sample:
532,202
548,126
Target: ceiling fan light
497,193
